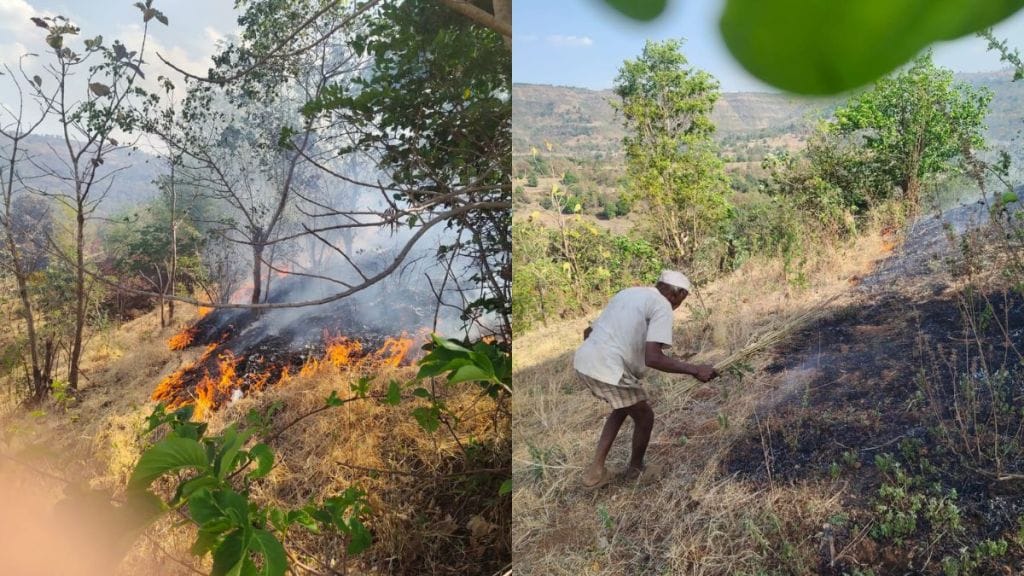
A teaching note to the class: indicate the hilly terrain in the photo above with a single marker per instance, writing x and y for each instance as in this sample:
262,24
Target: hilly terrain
136,171
581,122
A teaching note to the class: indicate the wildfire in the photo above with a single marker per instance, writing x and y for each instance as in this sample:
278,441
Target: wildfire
211,392
344,352
182,339
394,350
203,311
169,389
219,374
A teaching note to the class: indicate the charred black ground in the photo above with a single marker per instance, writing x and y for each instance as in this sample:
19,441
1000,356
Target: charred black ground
887,379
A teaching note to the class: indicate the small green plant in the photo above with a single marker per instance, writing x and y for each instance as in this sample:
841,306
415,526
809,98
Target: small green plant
851,458
605,518
834,470
61,394
972,560
237,532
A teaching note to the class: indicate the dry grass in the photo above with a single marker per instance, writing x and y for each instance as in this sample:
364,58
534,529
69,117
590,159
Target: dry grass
695,520
431,513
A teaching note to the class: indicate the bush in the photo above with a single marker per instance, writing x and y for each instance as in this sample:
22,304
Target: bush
556,276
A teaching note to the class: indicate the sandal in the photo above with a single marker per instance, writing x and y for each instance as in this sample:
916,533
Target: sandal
646,476
603,480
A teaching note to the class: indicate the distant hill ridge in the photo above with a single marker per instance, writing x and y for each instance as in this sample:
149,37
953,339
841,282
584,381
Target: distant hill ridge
581,121
132,186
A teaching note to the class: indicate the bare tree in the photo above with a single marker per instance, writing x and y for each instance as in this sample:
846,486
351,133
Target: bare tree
15,130
87,127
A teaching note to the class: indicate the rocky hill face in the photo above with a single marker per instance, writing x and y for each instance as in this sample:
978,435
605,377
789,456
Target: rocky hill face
582,122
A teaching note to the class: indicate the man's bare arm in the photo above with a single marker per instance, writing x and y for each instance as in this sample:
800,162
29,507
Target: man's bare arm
655,358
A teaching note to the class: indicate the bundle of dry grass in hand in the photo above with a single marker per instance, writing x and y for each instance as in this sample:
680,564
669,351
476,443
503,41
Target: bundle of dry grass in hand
775,336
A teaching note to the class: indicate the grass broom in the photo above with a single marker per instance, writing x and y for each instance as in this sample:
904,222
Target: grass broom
773,337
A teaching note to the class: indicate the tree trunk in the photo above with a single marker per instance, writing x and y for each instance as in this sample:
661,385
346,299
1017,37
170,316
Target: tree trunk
174,247
257,272
39,384
76,344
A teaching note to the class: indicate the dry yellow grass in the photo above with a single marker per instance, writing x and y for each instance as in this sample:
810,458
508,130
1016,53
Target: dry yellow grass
696,520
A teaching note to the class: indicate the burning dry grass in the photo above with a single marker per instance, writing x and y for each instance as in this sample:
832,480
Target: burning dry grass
182,339
694,520
214,378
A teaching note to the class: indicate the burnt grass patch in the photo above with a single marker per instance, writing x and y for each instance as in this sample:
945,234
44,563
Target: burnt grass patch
932,385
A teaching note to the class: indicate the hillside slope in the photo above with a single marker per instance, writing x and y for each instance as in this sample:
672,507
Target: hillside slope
882,438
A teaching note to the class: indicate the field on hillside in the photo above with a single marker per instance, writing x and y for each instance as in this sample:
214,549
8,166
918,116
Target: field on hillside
879,438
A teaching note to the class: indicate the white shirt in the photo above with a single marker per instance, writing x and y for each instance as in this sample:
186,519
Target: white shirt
633,317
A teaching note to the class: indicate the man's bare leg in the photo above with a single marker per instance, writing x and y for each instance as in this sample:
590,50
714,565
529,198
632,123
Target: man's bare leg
596,472
643,424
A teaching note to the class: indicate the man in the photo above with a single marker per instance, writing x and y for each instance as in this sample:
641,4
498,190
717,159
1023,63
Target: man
626,340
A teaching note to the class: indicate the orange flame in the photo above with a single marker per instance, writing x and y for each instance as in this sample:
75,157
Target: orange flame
168,389
211,393
182,339
393,351
203,311
217,384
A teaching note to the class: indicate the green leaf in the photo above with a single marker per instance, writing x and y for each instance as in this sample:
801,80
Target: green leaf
359,536
447,344
264,457
827,47
209,536
305,519
334,400
203,508
168,455
639,9
468,373
234,506
506,487
274,561
427,418
233,442
188,488
394,395
229,556
1009,197
362,386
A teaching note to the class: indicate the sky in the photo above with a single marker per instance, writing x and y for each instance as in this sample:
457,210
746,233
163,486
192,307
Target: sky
584,42
189,40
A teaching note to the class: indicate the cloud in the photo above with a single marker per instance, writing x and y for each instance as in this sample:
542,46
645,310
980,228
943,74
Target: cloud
19,34
569,41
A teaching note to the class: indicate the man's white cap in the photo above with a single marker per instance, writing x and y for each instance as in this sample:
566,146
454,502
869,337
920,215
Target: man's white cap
677,279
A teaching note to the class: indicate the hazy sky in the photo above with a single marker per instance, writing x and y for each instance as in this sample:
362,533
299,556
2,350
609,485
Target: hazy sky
189,40
583,43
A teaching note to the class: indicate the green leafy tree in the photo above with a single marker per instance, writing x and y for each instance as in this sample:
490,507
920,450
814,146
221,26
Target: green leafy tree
915,124
456,75
672,162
